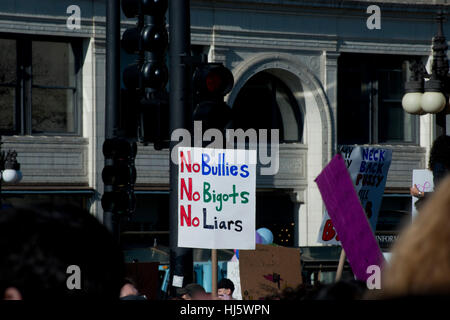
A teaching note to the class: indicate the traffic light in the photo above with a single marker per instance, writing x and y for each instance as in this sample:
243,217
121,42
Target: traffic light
149,39
146,99
212,81
147,119
119,176
153,122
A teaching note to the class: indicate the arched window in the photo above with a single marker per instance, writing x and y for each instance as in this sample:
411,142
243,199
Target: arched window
265,102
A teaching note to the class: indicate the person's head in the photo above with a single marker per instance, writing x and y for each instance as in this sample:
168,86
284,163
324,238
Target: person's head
225,287
56,253
192,291
129,291
439,161
420,262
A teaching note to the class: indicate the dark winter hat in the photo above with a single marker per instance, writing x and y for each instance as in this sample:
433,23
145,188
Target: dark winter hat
226,284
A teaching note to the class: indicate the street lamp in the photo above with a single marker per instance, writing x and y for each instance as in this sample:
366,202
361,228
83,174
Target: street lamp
428,93
9,168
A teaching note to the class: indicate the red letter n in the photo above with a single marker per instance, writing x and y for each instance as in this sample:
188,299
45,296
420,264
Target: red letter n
186,190
185,217
183,161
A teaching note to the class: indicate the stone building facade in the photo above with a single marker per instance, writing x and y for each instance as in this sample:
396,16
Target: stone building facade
297,49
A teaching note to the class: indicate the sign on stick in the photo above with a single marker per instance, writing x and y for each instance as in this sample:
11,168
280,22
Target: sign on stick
216,198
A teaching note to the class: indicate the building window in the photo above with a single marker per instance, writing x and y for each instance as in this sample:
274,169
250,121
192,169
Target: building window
149,224
370,90
38,85
265,102
275,211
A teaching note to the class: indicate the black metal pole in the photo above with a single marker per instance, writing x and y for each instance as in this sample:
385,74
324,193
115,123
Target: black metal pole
112,86
181,264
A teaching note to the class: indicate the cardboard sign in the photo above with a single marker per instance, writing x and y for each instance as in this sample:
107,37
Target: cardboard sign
268,270
368,168
423,179
216,198
349,218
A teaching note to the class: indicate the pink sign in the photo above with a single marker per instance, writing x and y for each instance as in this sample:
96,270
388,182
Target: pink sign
349,218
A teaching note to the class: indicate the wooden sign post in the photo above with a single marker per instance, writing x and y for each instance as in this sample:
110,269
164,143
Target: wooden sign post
214,273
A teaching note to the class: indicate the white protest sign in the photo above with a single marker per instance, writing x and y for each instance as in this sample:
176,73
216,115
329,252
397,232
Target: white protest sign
368,168
233,275
423,179
327,234
216,198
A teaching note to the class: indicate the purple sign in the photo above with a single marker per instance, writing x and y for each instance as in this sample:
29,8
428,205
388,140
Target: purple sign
349,218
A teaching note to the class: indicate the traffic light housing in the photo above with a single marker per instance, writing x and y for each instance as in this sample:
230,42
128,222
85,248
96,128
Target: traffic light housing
119,176
149,39
145,98
212,81
153,122
132,8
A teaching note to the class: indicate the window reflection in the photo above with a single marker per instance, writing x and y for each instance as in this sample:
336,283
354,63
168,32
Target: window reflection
38,82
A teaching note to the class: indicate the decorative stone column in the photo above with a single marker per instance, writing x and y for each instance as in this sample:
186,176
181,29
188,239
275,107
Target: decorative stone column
330,60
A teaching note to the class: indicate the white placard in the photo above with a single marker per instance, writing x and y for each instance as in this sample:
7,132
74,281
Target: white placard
423,179
233,275
216,198
177,281
368,168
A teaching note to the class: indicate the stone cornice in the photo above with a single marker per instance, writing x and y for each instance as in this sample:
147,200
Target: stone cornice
282,41
48,25
417,6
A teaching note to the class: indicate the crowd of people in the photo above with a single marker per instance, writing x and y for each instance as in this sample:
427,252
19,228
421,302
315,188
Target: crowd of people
37,245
